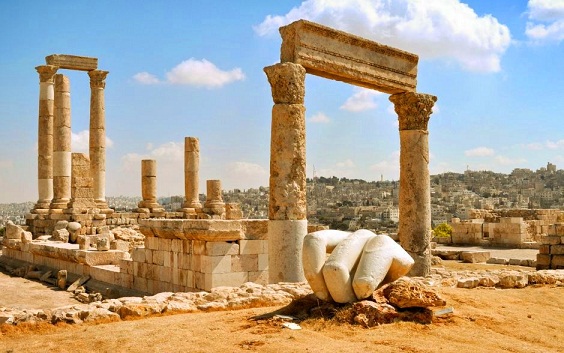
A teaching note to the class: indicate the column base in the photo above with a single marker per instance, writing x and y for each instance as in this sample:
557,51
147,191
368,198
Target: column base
191,204
59,204
285,243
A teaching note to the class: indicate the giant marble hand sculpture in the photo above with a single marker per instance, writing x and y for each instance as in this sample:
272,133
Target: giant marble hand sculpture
358,264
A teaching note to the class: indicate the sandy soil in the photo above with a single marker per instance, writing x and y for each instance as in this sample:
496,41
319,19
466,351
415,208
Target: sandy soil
485,320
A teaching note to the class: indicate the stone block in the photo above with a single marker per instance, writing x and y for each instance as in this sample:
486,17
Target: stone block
557,249
72,62
158,257
221,248
260,277
199,247
248,247
177,245
215,264
126,266
165,244
138,255
94,258
140,284
165,274
167,258
474,256
262,262
152,243
148,256
544,249
233,279
557,262
242,263
196,263
550,240
337,55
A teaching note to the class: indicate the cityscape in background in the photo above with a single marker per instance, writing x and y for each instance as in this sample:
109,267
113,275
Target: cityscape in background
351,204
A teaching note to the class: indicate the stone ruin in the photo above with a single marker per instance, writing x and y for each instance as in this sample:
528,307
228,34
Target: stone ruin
209,245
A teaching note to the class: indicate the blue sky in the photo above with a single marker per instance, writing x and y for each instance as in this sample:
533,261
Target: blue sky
194,68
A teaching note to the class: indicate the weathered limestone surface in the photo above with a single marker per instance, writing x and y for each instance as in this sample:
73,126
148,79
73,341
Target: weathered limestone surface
45,137
82,195
62,144
214,205
413,110
287,203
72,62
97,143
191,172
149,186
337,55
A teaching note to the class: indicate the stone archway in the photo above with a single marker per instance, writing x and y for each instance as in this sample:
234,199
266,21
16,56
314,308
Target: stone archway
311,48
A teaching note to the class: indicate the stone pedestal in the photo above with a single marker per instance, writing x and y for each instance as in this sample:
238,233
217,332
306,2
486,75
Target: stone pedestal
214,205
97,145
61,145
414,231
191,173
287,202
82,191
149,186
45,138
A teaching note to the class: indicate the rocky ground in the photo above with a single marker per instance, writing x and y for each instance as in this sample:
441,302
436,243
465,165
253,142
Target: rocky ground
521,308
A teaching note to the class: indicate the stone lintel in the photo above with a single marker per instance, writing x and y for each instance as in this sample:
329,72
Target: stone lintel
341,56
72,62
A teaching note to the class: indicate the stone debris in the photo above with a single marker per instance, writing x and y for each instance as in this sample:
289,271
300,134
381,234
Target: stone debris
411,293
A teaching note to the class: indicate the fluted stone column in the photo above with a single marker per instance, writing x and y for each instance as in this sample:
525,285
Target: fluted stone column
414,110
62,159
97,146
287,215
149,186
45,138
191,173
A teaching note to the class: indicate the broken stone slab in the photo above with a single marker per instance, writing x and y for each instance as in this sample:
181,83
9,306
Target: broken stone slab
497,261
470,282
513,279
45,276
62,235
79,282
474,256
446,254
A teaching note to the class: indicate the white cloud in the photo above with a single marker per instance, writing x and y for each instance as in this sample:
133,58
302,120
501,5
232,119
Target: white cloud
346,164
202,73
361,100
193,72
551,145
479,152
551,12
146,78
446,29
80,141
320,118
509,161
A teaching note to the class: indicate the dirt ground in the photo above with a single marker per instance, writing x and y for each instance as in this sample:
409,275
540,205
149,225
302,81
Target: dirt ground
484,320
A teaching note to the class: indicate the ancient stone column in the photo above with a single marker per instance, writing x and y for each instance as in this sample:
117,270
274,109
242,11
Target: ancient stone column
97,145
62,159
149,185
287,224
191,173
414,231
214,205
45,138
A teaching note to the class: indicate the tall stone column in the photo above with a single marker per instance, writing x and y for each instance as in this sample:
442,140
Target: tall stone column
414,110
287,215
62,159
45,138
191,173
97,145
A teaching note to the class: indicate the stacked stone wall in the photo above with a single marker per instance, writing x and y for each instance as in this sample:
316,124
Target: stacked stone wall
187,265
551,252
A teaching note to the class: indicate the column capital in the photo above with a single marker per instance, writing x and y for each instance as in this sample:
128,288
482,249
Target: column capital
287,81
97,78
46,72
413,109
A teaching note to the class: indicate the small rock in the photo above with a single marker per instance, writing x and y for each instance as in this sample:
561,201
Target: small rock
408,293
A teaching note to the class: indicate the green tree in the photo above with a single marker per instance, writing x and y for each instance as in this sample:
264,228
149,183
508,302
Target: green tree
443,230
